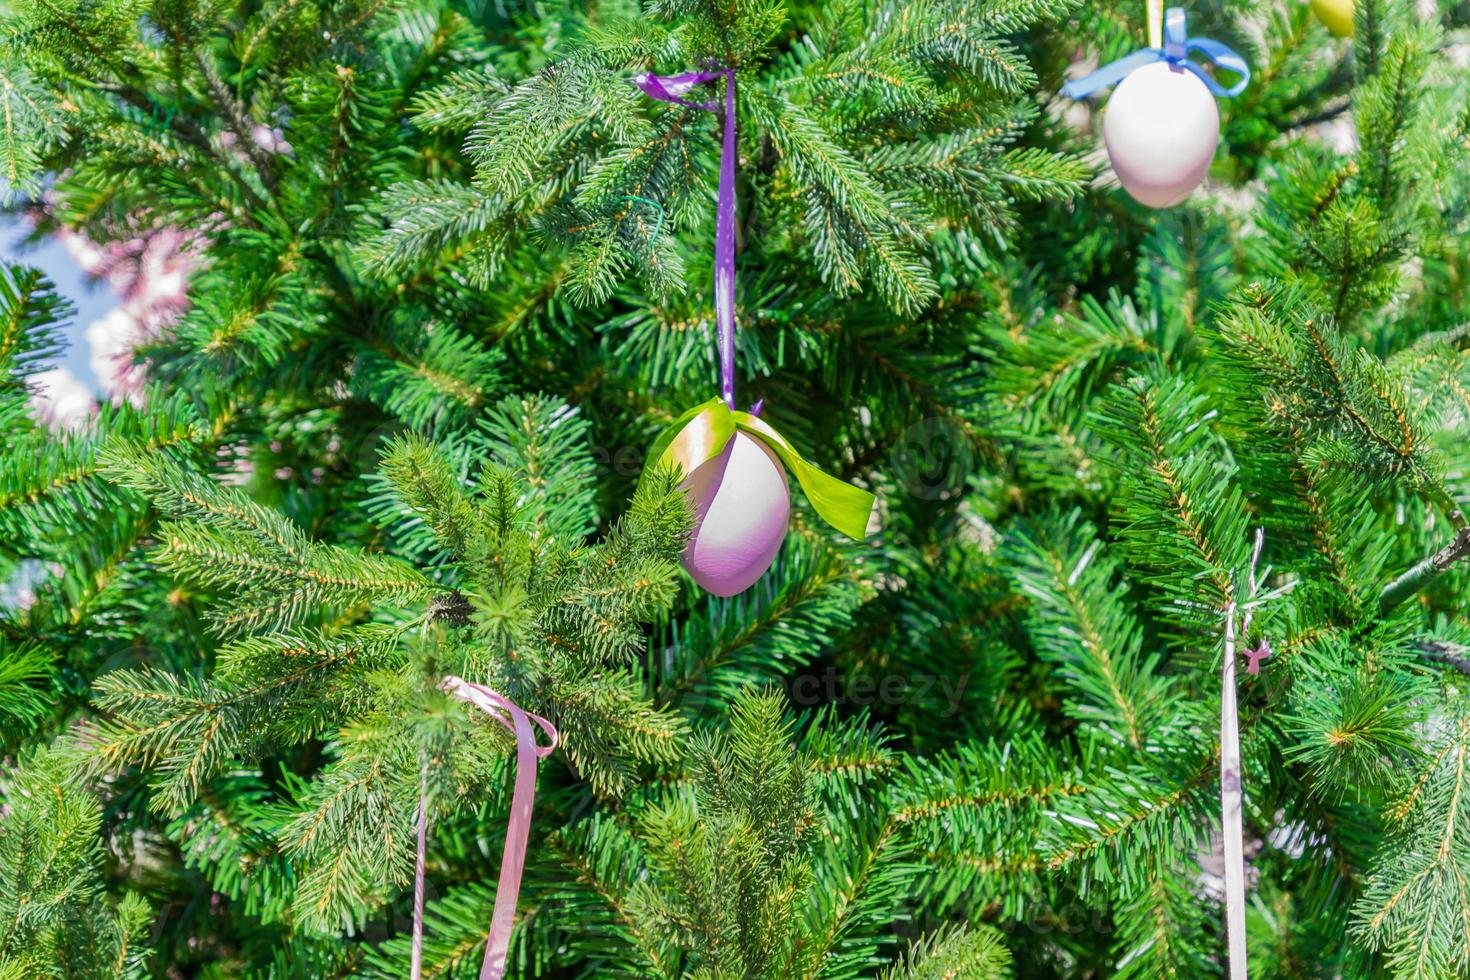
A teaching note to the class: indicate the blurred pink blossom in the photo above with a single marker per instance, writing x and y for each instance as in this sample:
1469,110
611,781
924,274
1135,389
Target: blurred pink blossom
60,400
150,273
272,139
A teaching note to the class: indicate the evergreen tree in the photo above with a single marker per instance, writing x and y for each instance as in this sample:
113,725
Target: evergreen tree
453,282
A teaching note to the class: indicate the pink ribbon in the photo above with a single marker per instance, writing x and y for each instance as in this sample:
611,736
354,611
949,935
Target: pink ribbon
517,830
1254,657
1232,797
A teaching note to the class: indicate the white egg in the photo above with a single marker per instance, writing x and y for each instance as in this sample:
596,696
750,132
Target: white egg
1161,127
741,506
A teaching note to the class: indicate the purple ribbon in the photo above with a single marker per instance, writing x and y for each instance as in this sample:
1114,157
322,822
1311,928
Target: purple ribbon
517,830
672,88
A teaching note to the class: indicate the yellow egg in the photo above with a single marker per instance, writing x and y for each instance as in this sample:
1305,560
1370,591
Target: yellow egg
1337,15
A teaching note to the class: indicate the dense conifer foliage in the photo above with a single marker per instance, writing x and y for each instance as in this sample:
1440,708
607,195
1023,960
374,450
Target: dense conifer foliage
452,278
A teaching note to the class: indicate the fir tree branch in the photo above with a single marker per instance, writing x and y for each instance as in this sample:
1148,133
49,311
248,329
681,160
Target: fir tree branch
235,114
1451,654
1417,905
192,135
1420,576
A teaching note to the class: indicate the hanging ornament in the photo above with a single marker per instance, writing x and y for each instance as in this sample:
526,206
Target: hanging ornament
741,505
744,493
1336,15
1161,125
735,464
1159,165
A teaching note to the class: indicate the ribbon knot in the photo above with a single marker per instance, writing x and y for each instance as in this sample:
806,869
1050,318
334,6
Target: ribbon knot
1254,657
1176,50
517,832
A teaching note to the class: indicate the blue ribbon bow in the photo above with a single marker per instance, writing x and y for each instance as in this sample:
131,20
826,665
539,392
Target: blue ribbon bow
1175,51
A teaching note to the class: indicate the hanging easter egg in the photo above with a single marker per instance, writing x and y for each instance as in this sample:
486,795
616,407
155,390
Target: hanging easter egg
1161,127
734,467
736,482
741,505
1336,15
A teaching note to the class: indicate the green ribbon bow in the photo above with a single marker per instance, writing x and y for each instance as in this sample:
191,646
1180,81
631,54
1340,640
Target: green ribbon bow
702,433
